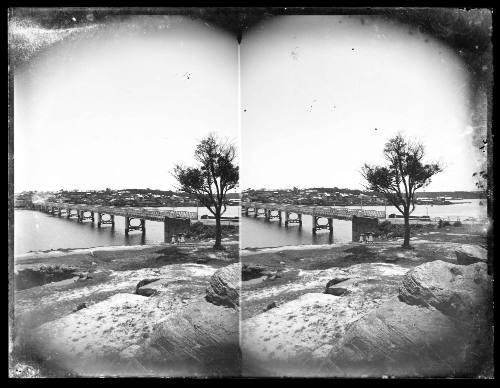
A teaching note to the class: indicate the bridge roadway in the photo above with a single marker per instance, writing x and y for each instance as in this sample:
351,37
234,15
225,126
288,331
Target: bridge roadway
140,213
340,213
175,221
317,212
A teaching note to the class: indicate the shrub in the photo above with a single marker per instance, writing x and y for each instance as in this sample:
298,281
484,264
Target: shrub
457,223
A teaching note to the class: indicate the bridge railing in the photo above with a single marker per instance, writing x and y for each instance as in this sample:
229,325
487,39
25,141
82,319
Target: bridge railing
323,211
158,215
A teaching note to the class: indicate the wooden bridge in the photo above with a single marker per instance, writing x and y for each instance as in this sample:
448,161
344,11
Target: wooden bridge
274,211
175,221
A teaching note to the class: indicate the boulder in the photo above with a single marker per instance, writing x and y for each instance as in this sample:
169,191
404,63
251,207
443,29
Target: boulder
270,306
335,281
201,339
455,290
140,289
152,288
223,288
249,272
470,254
402,340
337,291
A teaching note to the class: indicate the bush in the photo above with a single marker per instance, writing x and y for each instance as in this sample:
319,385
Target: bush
457,223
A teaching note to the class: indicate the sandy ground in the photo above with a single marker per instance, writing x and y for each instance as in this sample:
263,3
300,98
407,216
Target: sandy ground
87,325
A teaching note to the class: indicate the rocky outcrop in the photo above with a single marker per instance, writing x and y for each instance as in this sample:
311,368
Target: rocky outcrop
201,339
223,288
431,321
470,254
398,339
455,290
439,325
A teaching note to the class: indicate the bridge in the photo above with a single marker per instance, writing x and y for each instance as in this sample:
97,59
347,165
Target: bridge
175,221
362,219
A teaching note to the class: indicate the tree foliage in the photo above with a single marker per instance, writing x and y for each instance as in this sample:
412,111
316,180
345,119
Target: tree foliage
214,176
404,173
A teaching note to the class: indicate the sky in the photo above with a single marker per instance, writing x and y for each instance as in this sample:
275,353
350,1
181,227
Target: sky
120,106
321,95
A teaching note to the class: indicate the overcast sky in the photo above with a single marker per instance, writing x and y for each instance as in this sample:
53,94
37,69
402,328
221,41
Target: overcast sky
119,107
322,94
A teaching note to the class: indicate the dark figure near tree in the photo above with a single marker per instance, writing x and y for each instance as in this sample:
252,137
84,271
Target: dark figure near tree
404,173
210,181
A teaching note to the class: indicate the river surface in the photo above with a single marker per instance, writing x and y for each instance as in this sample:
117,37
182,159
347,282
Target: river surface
38,231
256,232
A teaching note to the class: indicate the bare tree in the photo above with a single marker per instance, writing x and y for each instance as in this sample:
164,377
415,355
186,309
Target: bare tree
210,181
404,173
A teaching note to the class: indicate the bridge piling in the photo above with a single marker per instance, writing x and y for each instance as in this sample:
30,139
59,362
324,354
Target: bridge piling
174,226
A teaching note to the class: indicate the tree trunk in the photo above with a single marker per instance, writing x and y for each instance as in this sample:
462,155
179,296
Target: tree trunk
406,242
218,229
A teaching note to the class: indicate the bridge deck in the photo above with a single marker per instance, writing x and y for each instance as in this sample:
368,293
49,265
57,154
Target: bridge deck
341,213
146,214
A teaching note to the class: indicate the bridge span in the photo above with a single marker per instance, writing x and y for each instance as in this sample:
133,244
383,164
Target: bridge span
175,221
362,220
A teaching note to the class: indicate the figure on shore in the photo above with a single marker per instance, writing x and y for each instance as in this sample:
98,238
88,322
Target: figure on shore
174,241
181,238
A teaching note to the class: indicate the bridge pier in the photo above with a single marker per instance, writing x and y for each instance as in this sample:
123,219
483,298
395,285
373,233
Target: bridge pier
257,213
289,220
362,225
174,226
129,226
101,221
270,216
317,226
82,217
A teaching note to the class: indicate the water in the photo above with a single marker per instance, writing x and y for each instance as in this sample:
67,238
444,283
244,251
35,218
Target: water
255,232
37,231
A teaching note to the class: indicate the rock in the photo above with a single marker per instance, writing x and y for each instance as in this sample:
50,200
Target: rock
153,288
273,276
80,306
84,276
270,306
249,272
203,338
455,290
144,291
470,254
400,340
223,288
337,291
289,339
335,281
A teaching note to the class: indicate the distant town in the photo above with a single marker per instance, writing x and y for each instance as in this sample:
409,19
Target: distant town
126,197
335,196
320,196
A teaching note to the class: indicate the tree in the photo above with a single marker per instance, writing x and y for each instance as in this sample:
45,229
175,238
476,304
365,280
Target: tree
404,173
210,181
